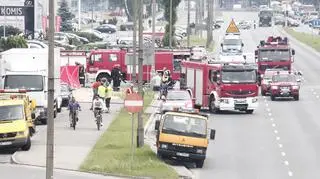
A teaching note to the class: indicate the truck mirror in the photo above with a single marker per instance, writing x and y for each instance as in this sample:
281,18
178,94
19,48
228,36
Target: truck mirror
212,134
33,115
293,52
157,125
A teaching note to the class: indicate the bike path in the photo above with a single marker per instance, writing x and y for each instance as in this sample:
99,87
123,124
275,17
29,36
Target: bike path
71,146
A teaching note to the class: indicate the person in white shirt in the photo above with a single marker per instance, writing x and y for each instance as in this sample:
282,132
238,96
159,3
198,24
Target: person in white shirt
156,82
98,106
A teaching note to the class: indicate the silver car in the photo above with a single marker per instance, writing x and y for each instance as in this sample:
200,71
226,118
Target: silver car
177,99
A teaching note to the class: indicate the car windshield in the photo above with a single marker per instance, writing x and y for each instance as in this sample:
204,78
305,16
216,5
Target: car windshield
12,112
232,42
283,78
274,55
265,13
28,82
178,95
248,76
184,125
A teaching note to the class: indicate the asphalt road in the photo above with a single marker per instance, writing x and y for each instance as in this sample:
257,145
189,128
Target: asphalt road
281,139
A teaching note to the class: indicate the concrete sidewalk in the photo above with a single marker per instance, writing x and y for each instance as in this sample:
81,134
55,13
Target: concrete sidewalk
71,146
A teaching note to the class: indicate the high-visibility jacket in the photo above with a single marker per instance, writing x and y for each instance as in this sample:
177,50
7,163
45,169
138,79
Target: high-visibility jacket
109,92
102,91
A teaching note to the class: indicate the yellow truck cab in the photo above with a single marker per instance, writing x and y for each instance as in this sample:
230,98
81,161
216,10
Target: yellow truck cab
16,119
183,135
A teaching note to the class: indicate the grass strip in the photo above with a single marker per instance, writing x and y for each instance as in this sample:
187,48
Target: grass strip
112,152
311,40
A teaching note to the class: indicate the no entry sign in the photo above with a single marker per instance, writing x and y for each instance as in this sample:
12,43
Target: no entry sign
133,103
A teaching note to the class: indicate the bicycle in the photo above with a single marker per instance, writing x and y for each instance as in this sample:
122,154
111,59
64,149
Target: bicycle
98,118
74,119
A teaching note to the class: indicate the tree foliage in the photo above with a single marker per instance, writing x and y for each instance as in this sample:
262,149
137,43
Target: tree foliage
166,5
66,16
10,30
12,42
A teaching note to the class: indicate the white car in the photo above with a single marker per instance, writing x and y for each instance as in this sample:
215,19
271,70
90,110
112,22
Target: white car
198,53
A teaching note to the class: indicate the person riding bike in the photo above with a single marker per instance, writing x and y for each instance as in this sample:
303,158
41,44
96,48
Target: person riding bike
164,88
102,90
73,107
98,107
254,24
95,87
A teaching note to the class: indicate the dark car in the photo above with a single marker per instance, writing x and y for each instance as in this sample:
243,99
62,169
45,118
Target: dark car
66,94
106,28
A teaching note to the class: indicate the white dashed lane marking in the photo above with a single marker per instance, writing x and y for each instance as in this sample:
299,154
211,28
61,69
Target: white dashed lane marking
290,173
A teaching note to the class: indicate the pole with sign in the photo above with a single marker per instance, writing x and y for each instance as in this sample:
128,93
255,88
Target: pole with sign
134,104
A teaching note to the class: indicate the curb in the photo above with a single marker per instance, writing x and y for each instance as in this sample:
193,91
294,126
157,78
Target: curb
298,43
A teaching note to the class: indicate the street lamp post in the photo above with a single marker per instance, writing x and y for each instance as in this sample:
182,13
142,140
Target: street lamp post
79,15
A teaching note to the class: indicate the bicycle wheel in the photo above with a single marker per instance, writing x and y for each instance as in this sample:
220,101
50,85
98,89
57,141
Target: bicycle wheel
74,122
98,122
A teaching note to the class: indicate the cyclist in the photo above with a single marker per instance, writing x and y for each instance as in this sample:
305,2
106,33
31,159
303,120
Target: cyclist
73,106
102,90
95,87
98,106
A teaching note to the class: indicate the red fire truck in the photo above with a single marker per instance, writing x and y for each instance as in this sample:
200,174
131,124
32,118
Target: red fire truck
221,86
101,62
275,53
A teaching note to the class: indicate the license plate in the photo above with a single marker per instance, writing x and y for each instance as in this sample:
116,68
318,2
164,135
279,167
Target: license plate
240,101
182,154
5,143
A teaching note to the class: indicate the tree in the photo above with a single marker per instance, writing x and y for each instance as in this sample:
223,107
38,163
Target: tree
66,16
166,5
12,42
10,30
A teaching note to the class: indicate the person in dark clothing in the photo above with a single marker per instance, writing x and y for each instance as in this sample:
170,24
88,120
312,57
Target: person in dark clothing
116,77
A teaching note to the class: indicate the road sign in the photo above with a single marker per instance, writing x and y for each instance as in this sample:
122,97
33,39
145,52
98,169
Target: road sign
232,28
133,103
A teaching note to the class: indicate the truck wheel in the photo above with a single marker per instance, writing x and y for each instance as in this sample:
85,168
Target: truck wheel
27,146
199,163
296,97
272,98
44,121
249,111
212,106
59,109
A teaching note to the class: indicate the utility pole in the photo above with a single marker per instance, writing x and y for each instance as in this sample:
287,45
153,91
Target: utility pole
91,15
5,23
197,18
188,26
170,26
209,23
50,124
134,67
79,15
153,34
140,132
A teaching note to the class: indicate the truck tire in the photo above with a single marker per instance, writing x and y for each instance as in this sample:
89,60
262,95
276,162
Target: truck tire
296,97
59,109
272,97
263,93
212,107
44,121
27,146
199,163
250,111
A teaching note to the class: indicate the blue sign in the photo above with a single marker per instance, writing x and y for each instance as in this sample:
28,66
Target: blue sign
315,23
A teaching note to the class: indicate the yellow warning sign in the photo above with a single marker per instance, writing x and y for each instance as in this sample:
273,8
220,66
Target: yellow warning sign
232,28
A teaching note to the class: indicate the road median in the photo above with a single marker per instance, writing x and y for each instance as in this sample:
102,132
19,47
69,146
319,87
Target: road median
112,152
